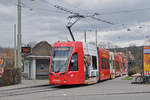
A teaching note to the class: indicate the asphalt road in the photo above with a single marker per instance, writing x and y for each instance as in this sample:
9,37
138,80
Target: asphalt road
116,89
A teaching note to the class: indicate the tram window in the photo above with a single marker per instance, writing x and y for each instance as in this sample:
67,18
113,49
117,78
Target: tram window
110,62
117,65
107,67
103,61
88,60
74,63
106,64
113,64
124,67
94,62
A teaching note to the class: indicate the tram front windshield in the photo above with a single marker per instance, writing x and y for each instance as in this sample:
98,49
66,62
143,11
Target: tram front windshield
60,59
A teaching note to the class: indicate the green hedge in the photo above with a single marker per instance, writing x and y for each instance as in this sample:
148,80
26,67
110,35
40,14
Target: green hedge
131,72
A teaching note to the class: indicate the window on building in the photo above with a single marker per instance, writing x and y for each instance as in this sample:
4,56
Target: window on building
74,63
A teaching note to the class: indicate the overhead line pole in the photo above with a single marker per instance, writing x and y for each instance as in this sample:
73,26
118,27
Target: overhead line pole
96,36
85,36
19,65
15,61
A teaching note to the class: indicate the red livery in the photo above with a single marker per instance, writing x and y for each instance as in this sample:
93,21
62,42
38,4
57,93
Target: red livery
104,67
81,63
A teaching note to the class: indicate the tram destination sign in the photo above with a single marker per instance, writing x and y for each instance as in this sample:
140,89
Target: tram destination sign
62,48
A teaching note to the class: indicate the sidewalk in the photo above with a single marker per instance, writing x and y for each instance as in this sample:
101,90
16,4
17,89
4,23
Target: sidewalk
26,83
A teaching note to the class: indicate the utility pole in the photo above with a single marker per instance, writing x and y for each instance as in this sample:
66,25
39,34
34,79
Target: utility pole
15,61
19,35
96,36
85,36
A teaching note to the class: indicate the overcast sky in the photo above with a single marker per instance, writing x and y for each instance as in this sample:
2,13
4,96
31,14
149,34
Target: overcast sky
41,21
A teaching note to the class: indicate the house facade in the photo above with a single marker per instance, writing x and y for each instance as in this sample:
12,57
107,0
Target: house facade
36,65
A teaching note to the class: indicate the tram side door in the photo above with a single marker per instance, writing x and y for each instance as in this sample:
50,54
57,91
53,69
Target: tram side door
87,63
74,67
91,68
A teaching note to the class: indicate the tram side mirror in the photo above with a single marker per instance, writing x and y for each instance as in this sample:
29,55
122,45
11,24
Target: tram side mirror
72,61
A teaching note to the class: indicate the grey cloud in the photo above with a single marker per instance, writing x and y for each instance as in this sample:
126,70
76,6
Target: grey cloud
45,22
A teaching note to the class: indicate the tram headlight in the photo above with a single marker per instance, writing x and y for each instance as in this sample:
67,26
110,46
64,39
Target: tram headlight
71,75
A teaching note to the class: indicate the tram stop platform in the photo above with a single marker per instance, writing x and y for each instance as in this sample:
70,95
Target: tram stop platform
27,84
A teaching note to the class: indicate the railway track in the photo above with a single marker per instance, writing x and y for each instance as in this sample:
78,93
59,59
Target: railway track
34,89
27,90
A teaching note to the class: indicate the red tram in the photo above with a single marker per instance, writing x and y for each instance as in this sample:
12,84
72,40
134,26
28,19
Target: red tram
104,66
123,63
117,65
80,63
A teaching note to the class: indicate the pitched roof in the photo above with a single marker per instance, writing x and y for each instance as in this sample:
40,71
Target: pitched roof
42,48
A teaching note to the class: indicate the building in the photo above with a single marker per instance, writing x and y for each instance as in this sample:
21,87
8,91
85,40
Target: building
36,65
